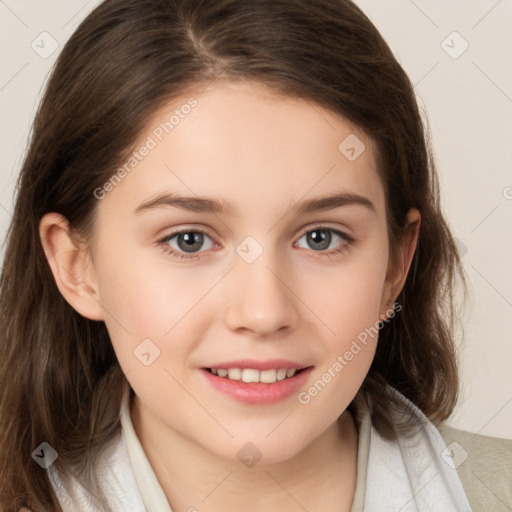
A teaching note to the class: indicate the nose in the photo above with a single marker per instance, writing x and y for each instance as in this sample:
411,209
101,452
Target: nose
261,301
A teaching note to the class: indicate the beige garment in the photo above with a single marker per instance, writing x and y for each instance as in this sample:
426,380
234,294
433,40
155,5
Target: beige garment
484,466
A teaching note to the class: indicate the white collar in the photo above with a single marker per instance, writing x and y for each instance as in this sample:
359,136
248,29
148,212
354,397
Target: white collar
410,474
151,492
406,475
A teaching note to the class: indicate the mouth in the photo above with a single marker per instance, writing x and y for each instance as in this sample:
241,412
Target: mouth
248,375
257,387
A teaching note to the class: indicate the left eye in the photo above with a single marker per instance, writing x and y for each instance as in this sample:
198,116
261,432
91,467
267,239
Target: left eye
321,238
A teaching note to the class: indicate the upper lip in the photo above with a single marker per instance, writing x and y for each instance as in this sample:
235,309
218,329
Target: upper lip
269,364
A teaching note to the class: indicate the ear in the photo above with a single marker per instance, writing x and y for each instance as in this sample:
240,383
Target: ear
71,266
399,269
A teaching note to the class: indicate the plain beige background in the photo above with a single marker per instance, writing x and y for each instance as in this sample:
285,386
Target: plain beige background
458,54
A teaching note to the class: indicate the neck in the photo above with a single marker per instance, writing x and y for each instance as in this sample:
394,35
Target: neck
320,477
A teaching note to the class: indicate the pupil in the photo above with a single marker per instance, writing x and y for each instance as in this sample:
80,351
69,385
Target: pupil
322,237
192,241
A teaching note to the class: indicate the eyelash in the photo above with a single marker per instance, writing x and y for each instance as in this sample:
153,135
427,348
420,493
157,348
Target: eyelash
163,243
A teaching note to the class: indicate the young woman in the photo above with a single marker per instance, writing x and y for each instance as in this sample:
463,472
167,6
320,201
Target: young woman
228,281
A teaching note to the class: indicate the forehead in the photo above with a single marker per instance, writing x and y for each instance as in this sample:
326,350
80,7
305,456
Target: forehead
250,147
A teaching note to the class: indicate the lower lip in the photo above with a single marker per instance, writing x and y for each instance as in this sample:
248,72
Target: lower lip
258,392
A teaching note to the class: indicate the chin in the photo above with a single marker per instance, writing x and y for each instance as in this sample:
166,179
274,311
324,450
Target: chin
250,450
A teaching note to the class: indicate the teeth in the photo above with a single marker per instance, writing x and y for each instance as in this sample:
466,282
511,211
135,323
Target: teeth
252,375
268,376
249,375
234,373
281,374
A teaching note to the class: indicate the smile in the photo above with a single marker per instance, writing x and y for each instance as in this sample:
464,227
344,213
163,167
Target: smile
253,375
257,387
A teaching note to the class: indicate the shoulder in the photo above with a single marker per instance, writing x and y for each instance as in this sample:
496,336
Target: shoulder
484,466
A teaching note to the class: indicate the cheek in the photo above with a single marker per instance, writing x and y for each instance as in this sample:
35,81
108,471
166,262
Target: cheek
147,299
349,304
347,298
350,309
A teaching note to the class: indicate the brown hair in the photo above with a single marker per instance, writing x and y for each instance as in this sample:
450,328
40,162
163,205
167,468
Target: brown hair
60,381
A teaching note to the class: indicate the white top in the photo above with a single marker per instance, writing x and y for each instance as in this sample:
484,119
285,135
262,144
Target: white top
408,474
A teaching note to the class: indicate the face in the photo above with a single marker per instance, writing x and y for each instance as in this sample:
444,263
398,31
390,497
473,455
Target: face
243,274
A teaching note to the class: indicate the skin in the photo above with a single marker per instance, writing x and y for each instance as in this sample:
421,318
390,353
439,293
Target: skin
264,153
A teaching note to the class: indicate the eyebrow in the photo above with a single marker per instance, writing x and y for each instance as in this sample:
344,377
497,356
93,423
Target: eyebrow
207,205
